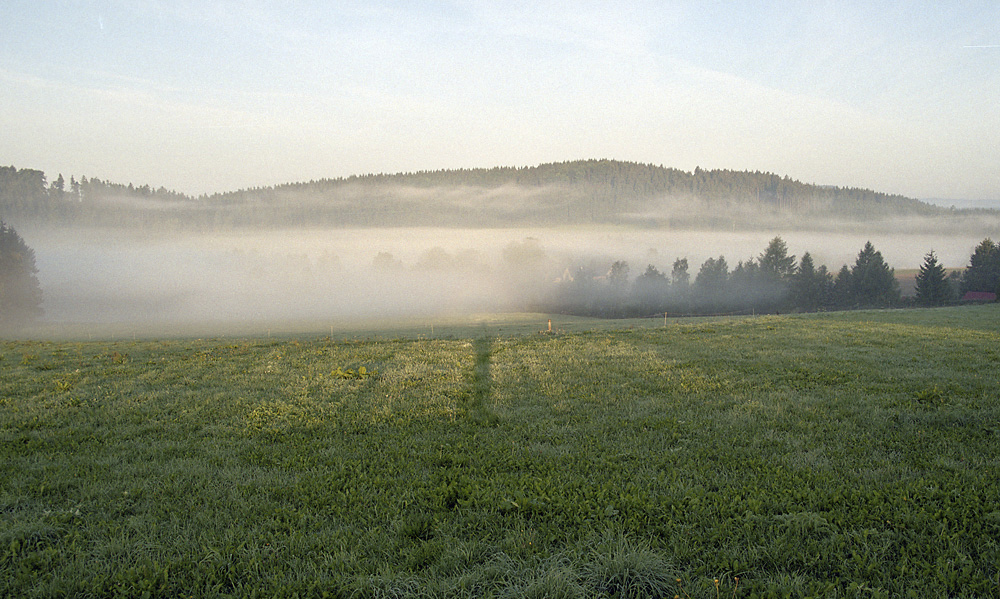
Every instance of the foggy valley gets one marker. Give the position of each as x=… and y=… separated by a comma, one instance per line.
x=383, y=247
x=340, y=275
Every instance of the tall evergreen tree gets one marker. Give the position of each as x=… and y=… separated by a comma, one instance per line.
x=775, y=262
x=933, y=287
x=873, y=283
x=58, y=187
x=20, y=293
x=983, y=272
x=842, y=288
x=811, y=287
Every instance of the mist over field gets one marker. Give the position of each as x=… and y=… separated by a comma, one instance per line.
x=337, y=275
x=455, y=242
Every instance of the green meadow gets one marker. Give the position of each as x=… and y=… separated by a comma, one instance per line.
x=852, y=454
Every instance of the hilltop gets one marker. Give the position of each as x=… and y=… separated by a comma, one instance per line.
x=554, y=194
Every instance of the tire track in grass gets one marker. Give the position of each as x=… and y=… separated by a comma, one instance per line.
x=482, y=383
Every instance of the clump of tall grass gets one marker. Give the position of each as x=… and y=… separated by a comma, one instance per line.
x=627, y=568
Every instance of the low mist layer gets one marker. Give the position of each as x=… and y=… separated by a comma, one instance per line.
x=111, y=276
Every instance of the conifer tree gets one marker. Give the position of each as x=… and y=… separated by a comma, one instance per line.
x=873, y=283
x=933, y=287
x=842, y=288
x=775, y=263
x=810, y=287
x=983, y=272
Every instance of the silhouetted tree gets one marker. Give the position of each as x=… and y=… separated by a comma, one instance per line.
x=649, y=291
x=811, y=287
x=679, y=276
x=58, y=187
x=775, y=263
x=712, y=276
x=873, y=283
x=618, y=286
x=710, y=284
x=20, y=294
x=841, y=293
x=983, y=272
x=748, y=285
x=933, y=287
x=618, y=275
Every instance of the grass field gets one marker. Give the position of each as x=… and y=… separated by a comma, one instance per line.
x=851, y=454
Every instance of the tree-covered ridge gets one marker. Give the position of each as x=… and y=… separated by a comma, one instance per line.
x=553, y=194
x=612, y=191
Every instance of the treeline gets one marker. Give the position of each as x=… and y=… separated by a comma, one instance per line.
x=567, y=193
x=27, y=196
x=769, y=283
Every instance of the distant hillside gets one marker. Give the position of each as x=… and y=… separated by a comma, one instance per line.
x=555, y=194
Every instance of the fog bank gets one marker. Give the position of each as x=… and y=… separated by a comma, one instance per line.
x=112, y=276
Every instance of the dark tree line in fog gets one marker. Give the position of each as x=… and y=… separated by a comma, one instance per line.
x=20, y=293
x=771, y=282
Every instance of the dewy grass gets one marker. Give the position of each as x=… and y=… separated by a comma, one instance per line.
x=831, y=454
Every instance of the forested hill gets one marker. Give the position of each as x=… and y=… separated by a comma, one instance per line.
x=566, y=193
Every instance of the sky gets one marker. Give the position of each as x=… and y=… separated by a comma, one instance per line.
x=205, y=96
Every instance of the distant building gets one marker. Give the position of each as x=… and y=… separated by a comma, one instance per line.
x=979, y=296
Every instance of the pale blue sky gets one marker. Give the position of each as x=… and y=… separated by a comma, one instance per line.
x=211, y=95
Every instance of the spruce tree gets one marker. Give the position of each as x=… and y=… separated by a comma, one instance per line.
x=775, y=263
x=842, y=288
x=983, y=272
x=811, y=287
x=873, y=283
x=933, y=287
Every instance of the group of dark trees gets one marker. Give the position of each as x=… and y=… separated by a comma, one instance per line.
x=770, y=282
x=983, y=273
x=579, y=192
x=20, y=293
